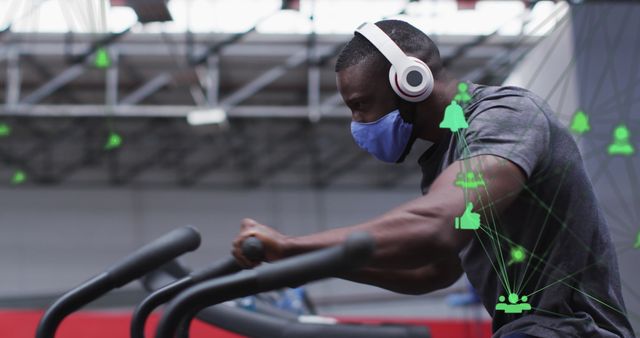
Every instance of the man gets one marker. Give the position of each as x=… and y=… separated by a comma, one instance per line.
x=506, y=197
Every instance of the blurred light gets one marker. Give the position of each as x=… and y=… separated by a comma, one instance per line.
x=113, y=141
x=5, y=130
x=19, y=177
x=443, y=17
x=285, y=22
x=121, y=18
x=207, y=116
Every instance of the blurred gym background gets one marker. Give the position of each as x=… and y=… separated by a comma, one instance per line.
x=123, y=119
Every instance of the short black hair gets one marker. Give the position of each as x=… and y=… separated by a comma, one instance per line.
x=410, y=39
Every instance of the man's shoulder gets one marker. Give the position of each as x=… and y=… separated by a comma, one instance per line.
x=508, y=108
x=509, y=98
x=486, y=91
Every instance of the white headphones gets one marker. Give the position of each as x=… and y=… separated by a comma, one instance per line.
x=415, y=82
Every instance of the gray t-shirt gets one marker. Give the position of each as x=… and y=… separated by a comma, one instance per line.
x=571, y=279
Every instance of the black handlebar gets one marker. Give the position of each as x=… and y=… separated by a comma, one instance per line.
x=252, y=248
x=136, y=265
x=154, y=254
x=294, y=271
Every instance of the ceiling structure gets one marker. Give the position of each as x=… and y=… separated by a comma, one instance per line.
x=286, y=123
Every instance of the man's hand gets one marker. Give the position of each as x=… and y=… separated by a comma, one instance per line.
x=272, y=240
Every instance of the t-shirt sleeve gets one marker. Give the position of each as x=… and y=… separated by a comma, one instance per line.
x=515, y=129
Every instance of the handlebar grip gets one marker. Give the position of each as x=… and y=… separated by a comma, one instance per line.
x=152, y=255
x=219, y=268
x=253, y=249
x=352, y=254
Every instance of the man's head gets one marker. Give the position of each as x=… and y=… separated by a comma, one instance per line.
x=362, y=79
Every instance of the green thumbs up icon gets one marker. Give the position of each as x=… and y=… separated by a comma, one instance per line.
x=469, y=220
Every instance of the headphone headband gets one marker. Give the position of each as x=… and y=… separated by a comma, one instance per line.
x=409, y=77
x=386, y=46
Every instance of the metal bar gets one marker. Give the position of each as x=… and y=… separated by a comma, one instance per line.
x=104, y=42
x=213, y=79
x=198, y=97
x=315, y=113
x=147, y=89
x=30, y=61
x=13, y=78
x=165, y=111
x=263, y=80
x=142, y=45
x=72, y=72
x=54, y=84
x=111, y=90
x=313, y=78
x=217, y=47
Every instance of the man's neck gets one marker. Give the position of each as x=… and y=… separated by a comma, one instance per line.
x=435, y=107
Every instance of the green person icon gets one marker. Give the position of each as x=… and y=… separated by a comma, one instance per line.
x=454, y=117
x=19, y=177
x=513, y=306
x=114, y=141
x=463, y=93
x=469, y=220
x=469, y=180
x=637, y=244
x=621, y=144
x=580, y=123
x=501, y=305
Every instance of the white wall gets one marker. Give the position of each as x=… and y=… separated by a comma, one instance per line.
x=53, y=238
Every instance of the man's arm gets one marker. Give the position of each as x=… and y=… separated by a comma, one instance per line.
x=425, y=279
x=416, y=234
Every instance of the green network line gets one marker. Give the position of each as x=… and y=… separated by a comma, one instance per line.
x=566, y=277
x=546, y=218
x=544, y=225
x=495, y=243
x=630, y=166
x=497, y=250
x=551, y=265
x=582, y=291
x=561, y=315
x=543, y=204
x=621, y=201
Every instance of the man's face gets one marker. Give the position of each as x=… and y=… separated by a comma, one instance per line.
x=366, y=92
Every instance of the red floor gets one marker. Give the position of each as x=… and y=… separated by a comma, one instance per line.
x=22, y=324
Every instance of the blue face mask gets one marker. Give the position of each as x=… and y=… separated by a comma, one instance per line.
x=385, y=138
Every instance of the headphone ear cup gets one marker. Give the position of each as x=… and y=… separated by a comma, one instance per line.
x=428, y=77
x=427, y=82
